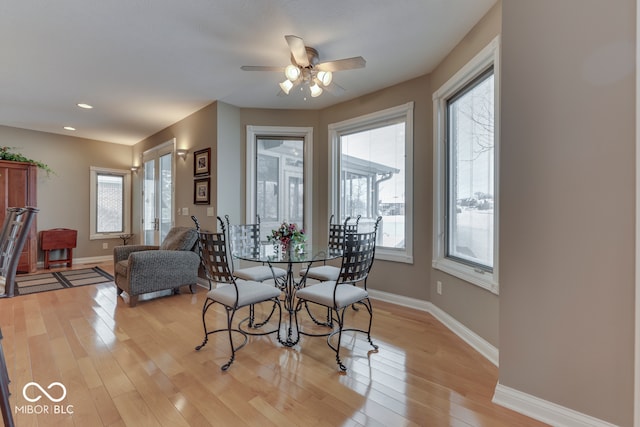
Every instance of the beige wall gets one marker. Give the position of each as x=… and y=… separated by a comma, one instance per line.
x=196, y=132
x=410, y=280
x=290, y=118
x=568, y=204
x=63, y=197
x=476, y=308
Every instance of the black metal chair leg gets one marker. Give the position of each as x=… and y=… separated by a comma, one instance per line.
x=233, y=350
x=207, y=303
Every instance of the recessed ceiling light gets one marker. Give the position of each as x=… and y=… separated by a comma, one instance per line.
x=86, y=106
x=69, y=128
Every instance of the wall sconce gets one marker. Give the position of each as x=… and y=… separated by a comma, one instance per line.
x=134, y=169
x=182, y=154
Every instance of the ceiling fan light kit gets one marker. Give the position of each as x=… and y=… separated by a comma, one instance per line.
x=286, y=86
x=315, y=90
x=292, y=72
x=305, y=69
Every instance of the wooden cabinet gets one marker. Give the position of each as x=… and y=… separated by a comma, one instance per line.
x=18, y=189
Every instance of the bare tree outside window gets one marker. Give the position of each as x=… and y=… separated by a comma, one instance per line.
x=471, y=157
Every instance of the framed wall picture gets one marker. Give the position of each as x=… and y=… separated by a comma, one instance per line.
x=201, y=193
x=202, y=162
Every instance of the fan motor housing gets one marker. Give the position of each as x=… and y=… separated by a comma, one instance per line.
x=312, y=54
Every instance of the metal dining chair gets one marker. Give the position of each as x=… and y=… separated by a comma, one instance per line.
x=247, y=237
x=349, y=288
x=337, y=233
x=230, y=292
x=15, y=229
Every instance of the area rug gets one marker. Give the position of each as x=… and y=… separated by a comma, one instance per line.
x=41, y=282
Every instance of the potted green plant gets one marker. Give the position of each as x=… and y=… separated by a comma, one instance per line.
x=6, y=154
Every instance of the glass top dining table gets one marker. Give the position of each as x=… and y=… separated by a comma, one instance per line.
x=304, y=253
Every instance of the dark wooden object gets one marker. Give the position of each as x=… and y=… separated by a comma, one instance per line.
x=58, y=239
x=18, y=189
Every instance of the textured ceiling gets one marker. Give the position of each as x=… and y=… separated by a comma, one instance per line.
x=146, y=64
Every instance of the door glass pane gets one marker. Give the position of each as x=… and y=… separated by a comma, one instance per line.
x=164, y=198
x=279, y=182
x=149, y=204
x=470, y=188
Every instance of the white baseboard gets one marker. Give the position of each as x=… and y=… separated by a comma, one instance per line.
x=482, y=346
x=489, y=351
x=515, y=400
x=543, y=410
x=86, y=260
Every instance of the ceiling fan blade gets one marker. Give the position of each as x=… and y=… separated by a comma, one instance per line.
x=298, y=50
x=342, y=64
x=335, y=89
x=260, y=68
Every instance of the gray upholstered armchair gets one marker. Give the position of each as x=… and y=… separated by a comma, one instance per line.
x=140, y=269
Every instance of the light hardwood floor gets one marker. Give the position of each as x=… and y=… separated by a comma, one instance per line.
x=125, y=366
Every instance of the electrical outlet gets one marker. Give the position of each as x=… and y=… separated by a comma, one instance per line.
x=105, y=246
x=439, y=287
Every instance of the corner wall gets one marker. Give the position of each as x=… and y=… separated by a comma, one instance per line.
x=476, y=308
x=568, y=204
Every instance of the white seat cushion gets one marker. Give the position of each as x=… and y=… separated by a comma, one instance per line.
x=324, y=273
x=249, y=292
x=322, y=293
x=259, y=273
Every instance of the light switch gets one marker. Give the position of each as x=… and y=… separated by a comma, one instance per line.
x=210, y=212
x=185, y=211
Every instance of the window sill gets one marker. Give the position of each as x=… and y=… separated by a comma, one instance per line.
x=394, y=256
x=467, y=273
x=106, y=236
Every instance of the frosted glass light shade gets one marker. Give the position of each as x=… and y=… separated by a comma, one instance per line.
x=292, y=72
x=315, y=90
x=325, y=77
x=286, y=86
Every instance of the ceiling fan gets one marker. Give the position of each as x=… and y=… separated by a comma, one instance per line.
x=305, y=69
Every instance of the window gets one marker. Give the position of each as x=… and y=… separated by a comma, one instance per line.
x=278, y=171
x=466, y=170
x=110, y=203
x=372, y=175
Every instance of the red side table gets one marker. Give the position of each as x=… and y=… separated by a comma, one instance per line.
x=58, y=239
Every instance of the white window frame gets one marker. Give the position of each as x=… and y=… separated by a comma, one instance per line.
x=280, y=131
x=487, y=57
x=93, y=181
x=369, y=121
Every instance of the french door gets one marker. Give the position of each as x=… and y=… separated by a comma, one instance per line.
x=157, y=193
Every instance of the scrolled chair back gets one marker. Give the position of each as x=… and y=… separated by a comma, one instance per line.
x=358, y=255
x=16, y=226
x=213, y=253
x=243, y=236
x=337, y=231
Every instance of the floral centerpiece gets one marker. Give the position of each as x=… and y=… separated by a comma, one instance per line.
x=288, y=235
